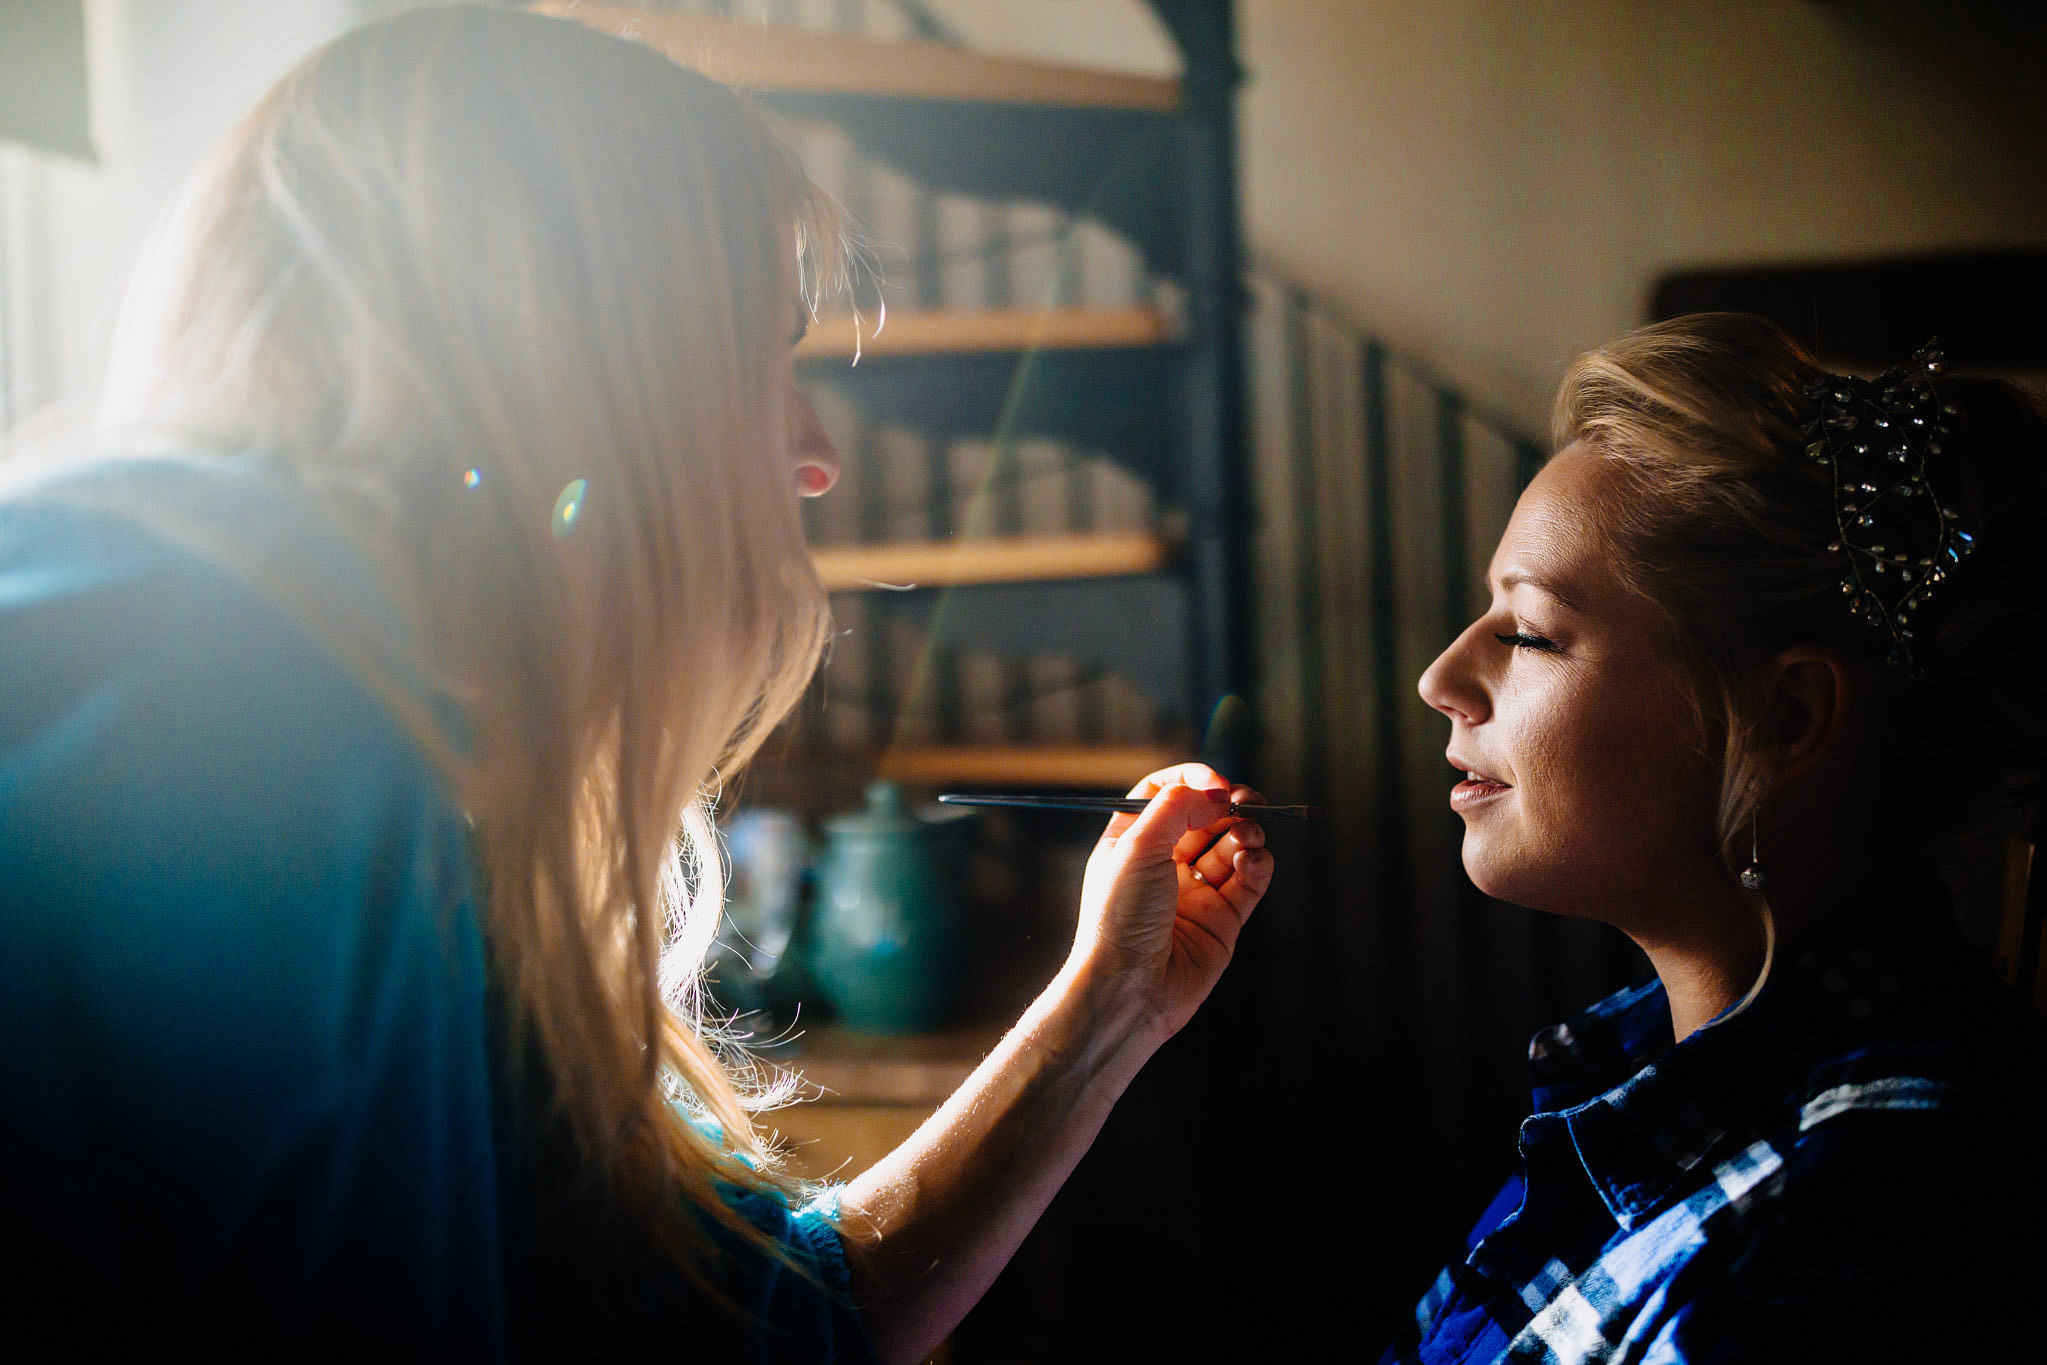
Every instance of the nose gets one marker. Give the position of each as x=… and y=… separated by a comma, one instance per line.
x=1451, y=684
x=811, y=451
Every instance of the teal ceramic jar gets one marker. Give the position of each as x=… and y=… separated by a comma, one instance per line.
x=885, y=931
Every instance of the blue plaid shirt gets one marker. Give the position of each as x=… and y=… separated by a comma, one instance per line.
x=1850, y=1169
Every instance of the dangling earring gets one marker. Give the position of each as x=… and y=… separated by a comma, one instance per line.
x=1752, y=878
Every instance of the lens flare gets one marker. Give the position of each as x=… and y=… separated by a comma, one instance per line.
x=569, y=506
x=1228, y=726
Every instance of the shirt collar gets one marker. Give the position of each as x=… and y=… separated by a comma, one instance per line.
x=1644, y=1113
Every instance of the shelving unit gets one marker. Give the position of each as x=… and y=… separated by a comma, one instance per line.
x=789, y=59
x=1000, y=330
x=1007, y=559
x=1025, y=765
x=1103, y=583
x=1038, y=553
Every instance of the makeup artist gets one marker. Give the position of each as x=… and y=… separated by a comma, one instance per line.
x=1763, y=641
x=439, y=555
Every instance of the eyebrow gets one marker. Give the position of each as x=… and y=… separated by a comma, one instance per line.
x=1516, y=578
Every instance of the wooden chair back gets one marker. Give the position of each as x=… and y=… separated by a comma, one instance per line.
x=2021, y=946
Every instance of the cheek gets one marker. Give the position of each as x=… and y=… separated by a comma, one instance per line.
x=1571, y=778
x=1624, y=733
x=1613, y=791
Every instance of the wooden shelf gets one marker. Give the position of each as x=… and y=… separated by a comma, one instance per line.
x=865, y=1093
x=820, y=781
x=981, y=331
x=1020, y=559
x=1111, y=766
x=782, y=58
x=848, y=1067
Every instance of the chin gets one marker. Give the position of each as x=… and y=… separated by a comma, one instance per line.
x=1485, y=874
x=1530, y=888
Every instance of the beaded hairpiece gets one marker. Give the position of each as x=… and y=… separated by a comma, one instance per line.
x=1897, y=540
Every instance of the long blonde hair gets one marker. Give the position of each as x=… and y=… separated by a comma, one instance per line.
x=505, y=297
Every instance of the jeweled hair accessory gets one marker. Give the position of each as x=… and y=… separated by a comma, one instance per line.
x=1897, y=540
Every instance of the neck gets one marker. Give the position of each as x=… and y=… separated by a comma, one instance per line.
x=1706, y=959
x=1700, y=986
x=1705, y=939
x=1711, y=960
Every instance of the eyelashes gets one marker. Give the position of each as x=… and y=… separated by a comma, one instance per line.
x=1523, y=640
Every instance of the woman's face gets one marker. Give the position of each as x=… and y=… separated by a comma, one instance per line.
x=1585, y=787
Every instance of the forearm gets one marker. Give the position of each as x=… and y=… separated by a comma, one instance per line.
x=932, y=1224
x=1166, y=893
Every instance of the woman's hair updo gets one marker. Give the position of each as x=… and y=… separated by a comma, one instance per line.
x=1721, y=520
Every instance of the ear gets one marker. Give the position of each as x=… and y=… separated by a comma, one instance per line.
x=1809, y=697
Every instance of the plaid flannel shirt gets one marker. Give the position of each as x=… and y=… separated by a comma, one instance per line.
x=1850, y=1169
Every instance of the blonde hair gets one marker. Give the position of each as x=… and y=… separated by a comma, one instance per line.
x=1719, y=519
x=505, y=297
x=1709, y=518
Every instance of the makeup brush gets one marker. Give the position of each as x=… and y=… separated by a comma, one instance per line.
x=1101, y=804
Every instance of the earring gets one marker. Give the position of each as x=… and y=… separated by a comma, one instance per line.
x=1752, y=878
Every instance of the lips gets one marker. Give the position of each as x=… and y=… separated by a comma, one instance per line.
x=1477, y=788
x=1473, y=773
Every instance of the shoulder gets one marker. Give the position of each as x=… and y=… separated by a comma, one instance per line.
x=235, y=912
x=1880, y=1219
x=1923, y=1135
x=1940, y=1072
x=168, y=720
x=1907, y=1043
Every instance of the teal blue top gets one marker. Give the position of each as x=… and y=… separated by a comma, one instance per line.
x=244, y=1028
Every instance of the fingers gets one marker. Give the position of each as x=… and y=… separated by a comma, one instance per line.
x=1190, y=808
x=1197, y=776
x=1194, y=841
x=1216, y=863
x=1250, y=877
x=1174, y=811
x=1224, y=885
x=1230, y=856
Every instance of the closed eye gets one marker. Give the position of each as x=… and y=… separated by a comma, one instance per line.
x=1523, y=640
